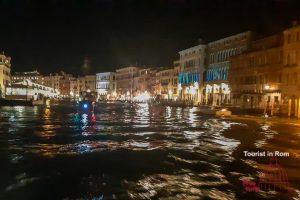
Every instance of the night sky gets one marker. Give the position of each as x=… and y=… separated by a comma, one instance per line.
x=50, y=35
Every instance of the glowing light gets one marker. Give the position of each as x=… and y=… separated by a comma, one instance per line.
x=179, y=86
x=193, y=90
x=267, y=87
x=72, y=93
x=85, y=105
x=170, y=92
x=88, y=90
x=142, y=97
x=196, y=85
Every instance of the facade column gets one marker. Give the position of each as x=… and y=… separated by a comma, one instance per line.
x=289, y=107
x=298, y=114
x=296, y=107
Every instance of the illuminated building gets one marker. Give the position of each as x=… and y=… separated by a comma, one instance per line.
x=4, y=73
x=34, y=76
x=65, y=85
x=52, y=80
x=27, y=89
x=144, y=81
x=164, y=83
x=291, y=71
x=255, y=76
x=190, y=78
x=86, y=84
x=125, y=81
x=106, y=85
x=217, y=90
x=60, y=81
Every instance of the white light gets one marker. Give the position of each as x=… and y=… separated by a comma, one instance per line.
x=142, y=97
x=179, y=86
x=267, y=87
x=88, y=90
x=193, y=90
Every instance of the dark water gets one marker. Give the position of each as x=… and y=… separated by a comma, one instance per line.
x=137, y=152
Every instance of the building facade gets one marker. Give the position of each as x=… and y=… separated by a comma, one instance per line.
x=190, y=77
x=216, y=89
x=5, y=70
x=291, y=71
x=65, y=85
x=125, y=81
x=164, y=83
x=255, y=77
x=34, y=76
x=52, y=80
x=29, y=90
x=106, y=85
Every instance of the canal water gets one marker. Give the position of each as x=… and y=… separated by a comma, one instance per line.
x=140, y=152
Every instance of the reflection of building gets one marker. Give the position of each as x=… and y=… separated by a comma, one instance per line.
x=255, y=76
x=291, y=71
x=191, y=73
x=125, y=81
x=217, y=90
x=4, y=73
x=106, y=85
x=34, y=76
x=27, y=89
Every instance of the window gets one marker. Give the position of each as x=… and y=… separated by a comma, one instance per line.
x=289, y=38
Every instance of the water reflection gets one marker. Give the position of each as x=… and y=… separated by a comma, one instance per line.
x=125, y=151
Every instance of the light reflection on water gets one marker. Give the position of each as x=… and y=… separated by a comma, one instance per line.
x=124, y=152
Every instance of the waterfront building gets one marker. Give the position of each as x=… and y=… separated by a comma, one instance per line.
x=175, y=82
x=65, y=85
x=164, y=83
x=34, y=76
x=52, y=80
x=291, y=71
x=86, y=84
x=125, y=81
x=5, y=77
x=74, y=91
x=143, y=81
x=190, y=78
x=29, y=90
x=255, y=76
x=106, y=85
x=59, y=81
x=216, y=89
